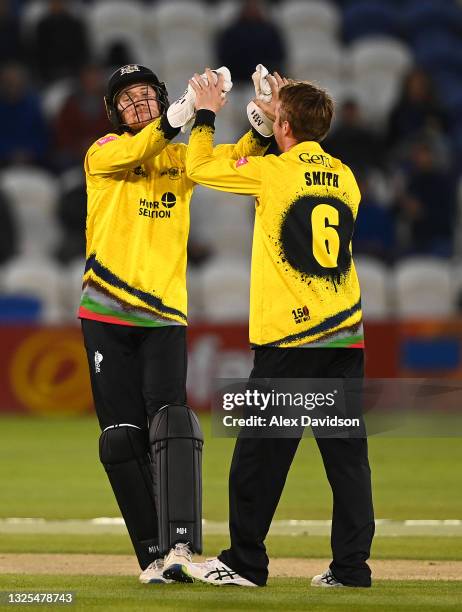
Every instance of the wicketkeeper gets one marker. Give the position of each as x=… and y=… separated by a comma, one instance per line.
x=134, y=314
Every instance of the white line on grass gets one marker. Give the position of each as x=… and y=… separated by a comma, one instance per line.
x=102, y=525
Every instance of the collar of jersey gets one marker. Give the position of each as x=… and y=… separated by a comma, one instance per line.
x=309, y=146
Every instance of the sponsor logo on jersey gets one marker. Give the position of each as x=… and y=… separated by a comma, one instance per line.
x=140, y=171
x=168, y=199
x=324, y=160
x=153, y=208
x=173, y=173
x=301, y=314
x=105, y=140
x=241, y=162
x=182, y=530
x=98, y=360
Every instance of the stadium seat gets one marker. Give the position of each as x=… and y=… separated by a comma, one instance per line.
x=225, y=284
x=448, y=83
x=181, y=23
x=382, y=54
x=424, y=287
x=149, y=49
x=186, y=15
x=374, y=279
x=235, y=111
x=378, y=65
x=19, y=309
x=195, y=294
x=232, y=122
x=452, y=102
x=320, y=62
x=72, y=289
x=456, y=142
x=30, y=15
x=33, y=11
x=179, y=66
x=111, y=21
x=71, y=179
x=182, y=30
x=229, y=129
x=438, y=51
x=38, y=278
x=223, y=221
x=458, y=214
x=420, y=16
x=309, y=19
x=224, y=13
x=365, y=18
x=54, y=97
x=175, y=84
x=33, y=194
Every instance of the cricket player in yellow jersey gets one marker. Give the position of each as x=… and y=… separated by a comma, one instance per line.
x=305, y=322
x=134, y=315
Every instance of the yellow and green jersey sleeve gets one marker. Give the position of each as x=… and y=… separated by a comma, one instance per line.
x=304, y=288
x=137, y=226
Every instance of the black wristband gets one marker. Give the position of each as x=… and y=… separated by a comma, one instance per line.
x=204, y=117
x=169, y=131
x=263, y=140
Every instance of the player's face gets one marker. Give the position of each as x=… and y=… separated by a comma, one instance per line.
x=137, y=105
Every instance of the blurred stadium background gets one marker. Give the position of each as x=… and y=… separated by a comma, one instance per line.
x=395, y=70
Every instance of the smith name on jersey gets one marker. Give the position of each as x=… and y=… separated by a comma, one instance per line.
x=304, y=289
x=138, y=224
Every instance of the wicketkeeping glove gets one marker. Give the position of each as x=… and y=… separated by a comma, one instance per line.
x=182, y=113
x=262, y=86
x=256, y=116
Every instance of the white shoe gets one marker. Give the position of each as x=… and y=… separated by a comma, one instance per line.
x=176, y=562
x=213, y=571
x=326, y=580
x=153, y=574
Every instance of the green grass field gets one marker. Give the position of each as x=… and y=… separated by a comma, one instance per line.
x=49, y=468
x=105, y=592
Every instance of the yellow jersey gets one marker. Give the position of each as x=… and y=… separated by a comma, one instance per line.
x=137, y=225
x=304, y=289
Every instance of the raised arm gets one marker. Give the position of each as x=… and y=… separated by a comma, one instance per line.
x=260, y=112
x=115, y=153
x=242, y=176
x=251, y=143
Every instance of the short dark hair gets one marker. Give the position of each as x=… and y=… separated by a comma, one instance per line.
x=308, y=110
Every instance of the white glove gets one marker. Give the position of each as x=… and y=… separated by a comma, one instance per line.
x=262, y=86
x=182, y=112
x=256, y=116
x=259, y=120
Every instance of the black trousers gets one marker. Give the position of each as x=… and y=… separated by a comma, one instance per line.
x=134, y=371
x=260, y=466
x=142, y=369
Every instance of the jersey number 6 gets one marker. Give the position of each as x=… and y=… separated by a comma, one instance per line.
x=325, y=238
x=315, y=236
